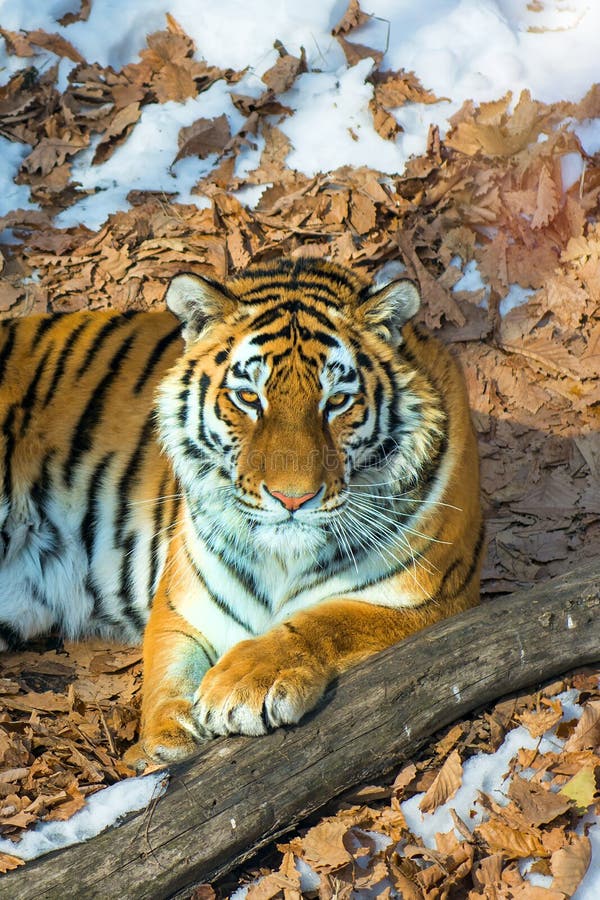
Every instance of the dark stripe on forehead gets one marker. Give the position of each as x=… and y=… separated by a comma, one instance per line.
x=319, y=289
x=284, y=333
x=320, y=336
x=291, y=307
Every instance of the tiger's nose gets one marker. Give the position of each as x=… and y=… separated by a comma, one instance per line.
x=292, y=503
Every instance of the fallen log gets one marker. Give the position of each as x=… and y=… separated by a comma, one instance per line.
x=238, y=794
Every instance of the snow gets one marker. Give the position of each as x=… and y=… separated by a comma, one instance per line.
x=103, y=809
x=460, y=49
x=515, y=296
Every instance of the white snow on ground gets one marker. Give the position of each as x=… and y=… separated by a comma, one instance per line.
x=460, y=49
x=105, y=808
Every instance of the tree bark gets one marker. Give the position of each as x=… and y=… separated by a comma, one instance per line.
x=238, y=794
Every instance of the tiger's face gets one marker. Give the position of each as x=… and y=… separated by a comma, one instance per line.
x=291, y=390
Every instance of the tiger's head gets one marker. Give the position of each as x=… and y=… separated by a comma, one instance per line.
x=293, y=386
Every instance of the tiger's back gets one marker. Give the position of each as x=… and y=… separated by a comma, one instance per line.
x=82, y=535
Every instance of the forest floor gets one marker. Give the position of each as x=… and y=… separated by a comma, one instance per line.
x=497, y=222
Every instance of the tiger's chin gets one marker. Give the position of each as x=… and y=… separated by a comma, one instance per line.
x=290, y=539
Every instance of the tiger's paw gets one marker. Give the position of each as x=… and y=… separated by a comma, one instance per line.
x=250, y=692
x=170, y=734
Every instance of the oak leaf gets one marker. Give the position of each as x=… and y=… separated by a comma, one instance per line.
x=538, y=805
x=323, y=846
x=8, y=862
x=547, y=201
x=394, y=89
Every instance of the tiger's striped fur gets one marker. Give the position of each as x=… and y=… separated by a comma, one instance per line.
x=316, y=500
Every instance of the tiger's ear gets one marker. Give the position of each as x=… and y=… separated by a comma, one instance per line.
x=387, y=309
x=197, y=301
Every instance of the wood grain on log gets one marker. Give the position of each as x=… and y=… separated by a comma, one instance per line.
x=238, y=794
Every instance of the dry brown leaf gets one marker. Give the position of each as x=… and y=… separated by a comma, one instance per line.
x=203, y=892
x=8, y=862
x=82, y=15
x=383, y=122
x=587, y=732
x=203, y=137
x=47, y=701
x=538, y=805
x=117, y=132
x=570, y=863
x=354, y=17
x=55, y=43
x=445, y=784
x=280, y=77
x=393, y=89
x=17, y=43
x=355, y=52
x=547, y=200
x=537, y=722
x=363, y=214
x=323, y=846
x=510, y=842
x=67, y=809
x=405, y=776
x=528, y=891
x=52, y=152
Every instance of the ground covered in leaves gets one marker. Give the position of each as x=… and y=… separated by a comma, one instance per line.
x=537, y=828
x=491, y=192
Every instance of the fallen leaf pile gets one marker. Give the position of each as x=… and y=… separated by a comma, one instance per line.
x=491, y=191
x=66, y=716
x=368, y=846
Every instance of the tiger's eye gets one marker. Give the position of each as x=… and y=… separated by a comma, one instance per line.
x=337, y=400
x=248, y=397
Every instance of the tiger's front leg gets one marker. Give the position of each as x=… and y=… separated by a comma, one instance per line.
x=276, y=678
x=176, y=656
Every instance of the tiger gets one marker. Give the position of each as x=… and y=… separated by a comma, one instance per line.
x=267, y=482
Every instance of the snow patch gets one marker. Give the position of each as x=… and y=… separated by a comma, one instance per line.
x=103, y=809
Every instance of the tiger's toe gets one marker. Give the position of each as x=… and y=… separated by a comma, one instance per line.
x=172, y=734
x=257, y=701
